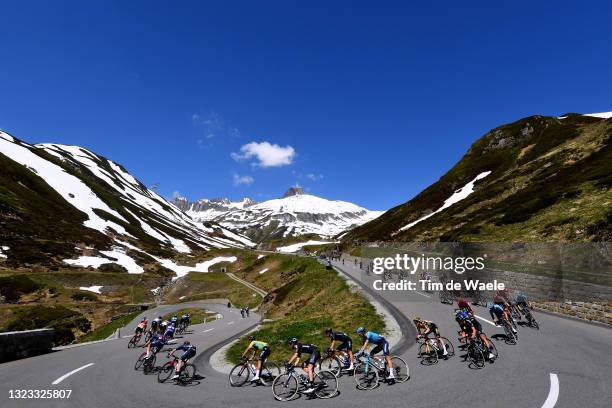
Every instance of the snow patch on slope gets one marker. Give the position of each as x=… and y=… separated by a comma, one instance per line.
x=182, y=270
x=457, y=196
x=68, y=186
x=94, y=289
x=603, y=115
x=296, y=247
x=116, y=255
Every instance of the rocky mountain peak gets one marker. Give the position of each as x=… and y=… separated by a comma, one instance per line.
x=294, y=191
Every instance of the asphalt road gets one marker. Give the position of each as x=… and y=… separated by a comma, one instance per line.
x=576, y=353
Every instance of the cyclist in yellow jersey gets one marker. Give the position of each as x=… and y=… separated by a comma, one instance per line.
x=425, y=328
x=258, y=346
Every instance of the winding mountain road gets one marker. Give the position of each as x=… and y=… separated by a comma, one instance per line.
x=566, y=365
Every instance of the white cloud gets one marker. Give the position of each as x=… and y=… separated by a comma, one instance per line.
x=176, y=194
x=239, y=180
x=266, y=153
x=314, y=177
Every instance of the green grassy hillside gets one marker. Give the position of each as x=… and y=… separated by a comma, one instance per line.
x=550, y=181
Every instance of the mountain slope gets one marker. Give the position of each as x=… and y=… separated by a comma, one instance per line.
x=209, y=209
x=59, y=202
x=296, y=214
x=539, y=178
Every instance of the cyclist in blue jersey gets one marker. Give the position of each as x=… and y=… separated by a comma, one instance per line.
x=381, y=345
x=169, y=333
x=189, y=350
x=155, y=344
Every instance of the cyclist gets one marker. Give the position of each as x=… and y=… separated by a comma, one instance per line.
x=189, y=350
x=425, y=328
x=309, y=365
x=522, y=303
x=155, y=323
x=470, y=327
x=463, y=304
x=264, y=350
x=381, y=345
x=501, y=299
x=346, y=343
x=163, y=326
x=184, y=321
x=169, y=333
x=174, y=320
x=498, y=313
x=141, y=327
x=156, y=344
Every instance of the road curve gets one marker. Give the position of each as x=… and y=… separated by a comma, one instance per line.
x=577, y=353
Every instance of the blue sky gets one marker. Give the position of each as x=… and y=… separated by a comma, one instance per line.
x=355, y=102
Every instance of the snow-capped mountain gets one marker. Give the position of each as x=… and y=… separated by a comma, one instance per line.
x=58, y=202
x=209, y=209
x=297, y=213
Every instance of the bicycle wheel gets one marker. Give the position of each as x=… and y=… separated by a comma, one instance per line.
x=450, y=349
x=149, y=364
x=148, y=336
x=285, y=387
x=187, y=374
x=534, y=323
x=428, y=354
x=510, y=338
x=326, y=384
x=366, y=377
x=400, y=369
x=140, y=361
x=269, y=372
x=476, y=357
x=165, y=372
x=133, y=342
x=239, y=375
x=330, y=363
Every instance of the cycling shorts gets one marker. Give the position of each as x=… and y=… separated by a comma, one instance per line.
x=265, y=352
x=477, y=325
x=314, y=357
x=157, y=345
x=383, y=346
x=188, y=354
x=347, y=345
x=139, y=330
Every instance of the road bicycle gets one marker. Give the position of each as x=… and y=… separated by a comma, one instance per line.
x=148, y=336
x=430, y=350
x=531, y=321
x=181, y=329
x=135, y=340
x=511, y=336
x=368, y=370
x=146, y=363
x=186, y=375
x=335, y=361
x=242, y=371
x=289, y=384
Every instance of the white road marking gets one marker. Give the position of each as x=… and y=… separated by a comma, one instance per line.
x=553, y=394
x=422, y=294
x=207, y=330
x=63, y=377
x=232, y=322
x=485, y=320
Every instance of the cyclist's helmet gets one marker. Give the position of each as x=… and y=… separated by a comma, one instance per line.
x=159, y=317
x=416, y=319
x=361, y=330
x=251, y=338
x=328, y=330
x=186, y=342
x=293, y=340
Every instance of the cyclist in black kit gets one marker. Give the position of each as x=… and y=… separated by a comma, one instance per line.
x=309, y=365
x=346, y=343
